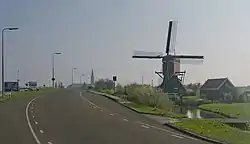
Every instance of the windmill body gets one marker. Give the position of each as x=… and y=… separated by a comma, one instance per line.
x=172, y=80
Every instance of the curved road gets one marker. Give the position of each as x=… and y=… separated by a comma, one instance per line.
x=76, y=117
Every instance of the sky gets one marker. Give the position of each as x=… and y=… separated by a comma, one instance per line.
x=102, y=35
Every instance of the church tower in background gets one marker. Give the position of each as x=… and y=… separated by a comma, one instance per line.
x=92, y=79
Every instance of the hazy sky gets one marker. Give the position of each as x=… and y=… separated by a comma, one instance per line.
x=102, y=34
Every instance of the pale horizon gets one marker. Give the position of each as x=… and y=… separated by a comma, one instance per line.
x=103, y=35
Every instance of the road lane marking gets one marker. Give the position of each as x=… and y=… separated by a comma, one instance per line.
x=36, y=122
x=161, y=129
x=28, y=121
x=177, y=136
x=33, y=116
x=125, y=119
x=89, y=101
x=145, y=126
x=49, y=142
x=41, y=131
x=101, y=109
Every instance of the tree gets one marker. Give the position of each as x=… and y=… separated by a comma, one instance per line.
x=104, y=84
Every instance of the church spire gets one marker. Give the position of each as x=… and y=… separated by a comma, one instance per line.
x=92, y=77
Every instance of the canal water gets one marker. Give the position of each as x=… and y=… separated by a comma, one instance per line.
x=194, y=112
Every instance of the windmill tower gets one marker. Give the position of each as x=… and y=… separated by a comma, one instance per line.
x=172, y=76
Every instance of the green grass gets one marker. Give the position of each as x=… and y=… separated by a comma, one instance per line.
x=215, y=130
x=28, y=93
x=240, y=110
x=154, y=111
x=107, y=91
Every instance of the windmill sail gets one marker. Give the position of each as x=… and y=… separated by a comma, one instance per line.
x=171, y=37
x=144, y=54
x=190, y=61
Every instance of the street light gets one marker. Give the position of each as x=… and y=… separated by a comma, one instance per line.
x=4, y=29
x=81, y=78
x=53, y=67
x=73, y=75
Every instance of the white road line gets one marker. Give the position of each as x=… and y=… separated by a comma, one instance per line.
x=161, y=129
x=125, y=119
x=145, y=126
x=36, y=122
x=49, y=142
x=94, y=105
x=88, y=101
x=177, y=136
x=41, y=131
x=29, y=124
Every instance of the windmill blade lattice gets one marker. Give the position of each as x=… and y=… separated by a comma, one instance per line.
x=190, y=61
x=144, y=54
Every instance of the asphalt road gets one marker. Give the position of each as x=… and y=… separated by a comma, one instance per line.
x=75, y=117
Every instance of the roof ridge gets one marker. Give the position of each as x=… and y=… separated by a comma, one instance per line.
x=217, y=78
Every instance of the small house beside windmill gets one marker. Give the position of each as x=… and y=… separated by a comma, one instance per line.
x=220, y=89
x=172, y=77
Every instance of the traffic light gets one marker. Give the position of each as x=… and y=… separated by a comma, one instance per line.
x=114, y=78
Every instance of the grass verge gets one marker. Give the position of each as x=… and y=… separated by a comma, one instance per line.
x=239, y=110
x=154, y=111
x=28, y=93
x=215, y=130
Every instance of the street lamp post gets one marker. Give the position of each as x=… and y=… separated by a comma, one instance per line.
x=17, y=79
x=4, y=29
x=73, y=75
x=17, y=76
x=53, y=68
x=81, y=78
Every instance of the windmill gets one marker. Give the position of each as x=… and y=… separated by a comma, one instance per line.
x=172, y=79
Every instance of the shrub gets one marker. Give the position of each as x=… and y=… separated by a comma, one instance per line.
x=147, y=95
x=104, y=84
x=107, y=91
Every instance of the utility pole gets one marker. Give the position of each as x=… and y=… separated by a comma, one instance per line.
x=53, y=68
x=142, y=80
x=73, y=75
x=4, y=29
x=17, y=76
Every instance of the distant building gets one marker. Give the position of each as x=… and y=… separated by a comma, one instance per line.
x=218, y=89
x=243, y=93
x=32, y=84
x=92, y=79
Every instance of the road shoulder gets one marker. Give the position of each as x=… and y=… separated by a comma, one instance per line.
x=165, y=122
